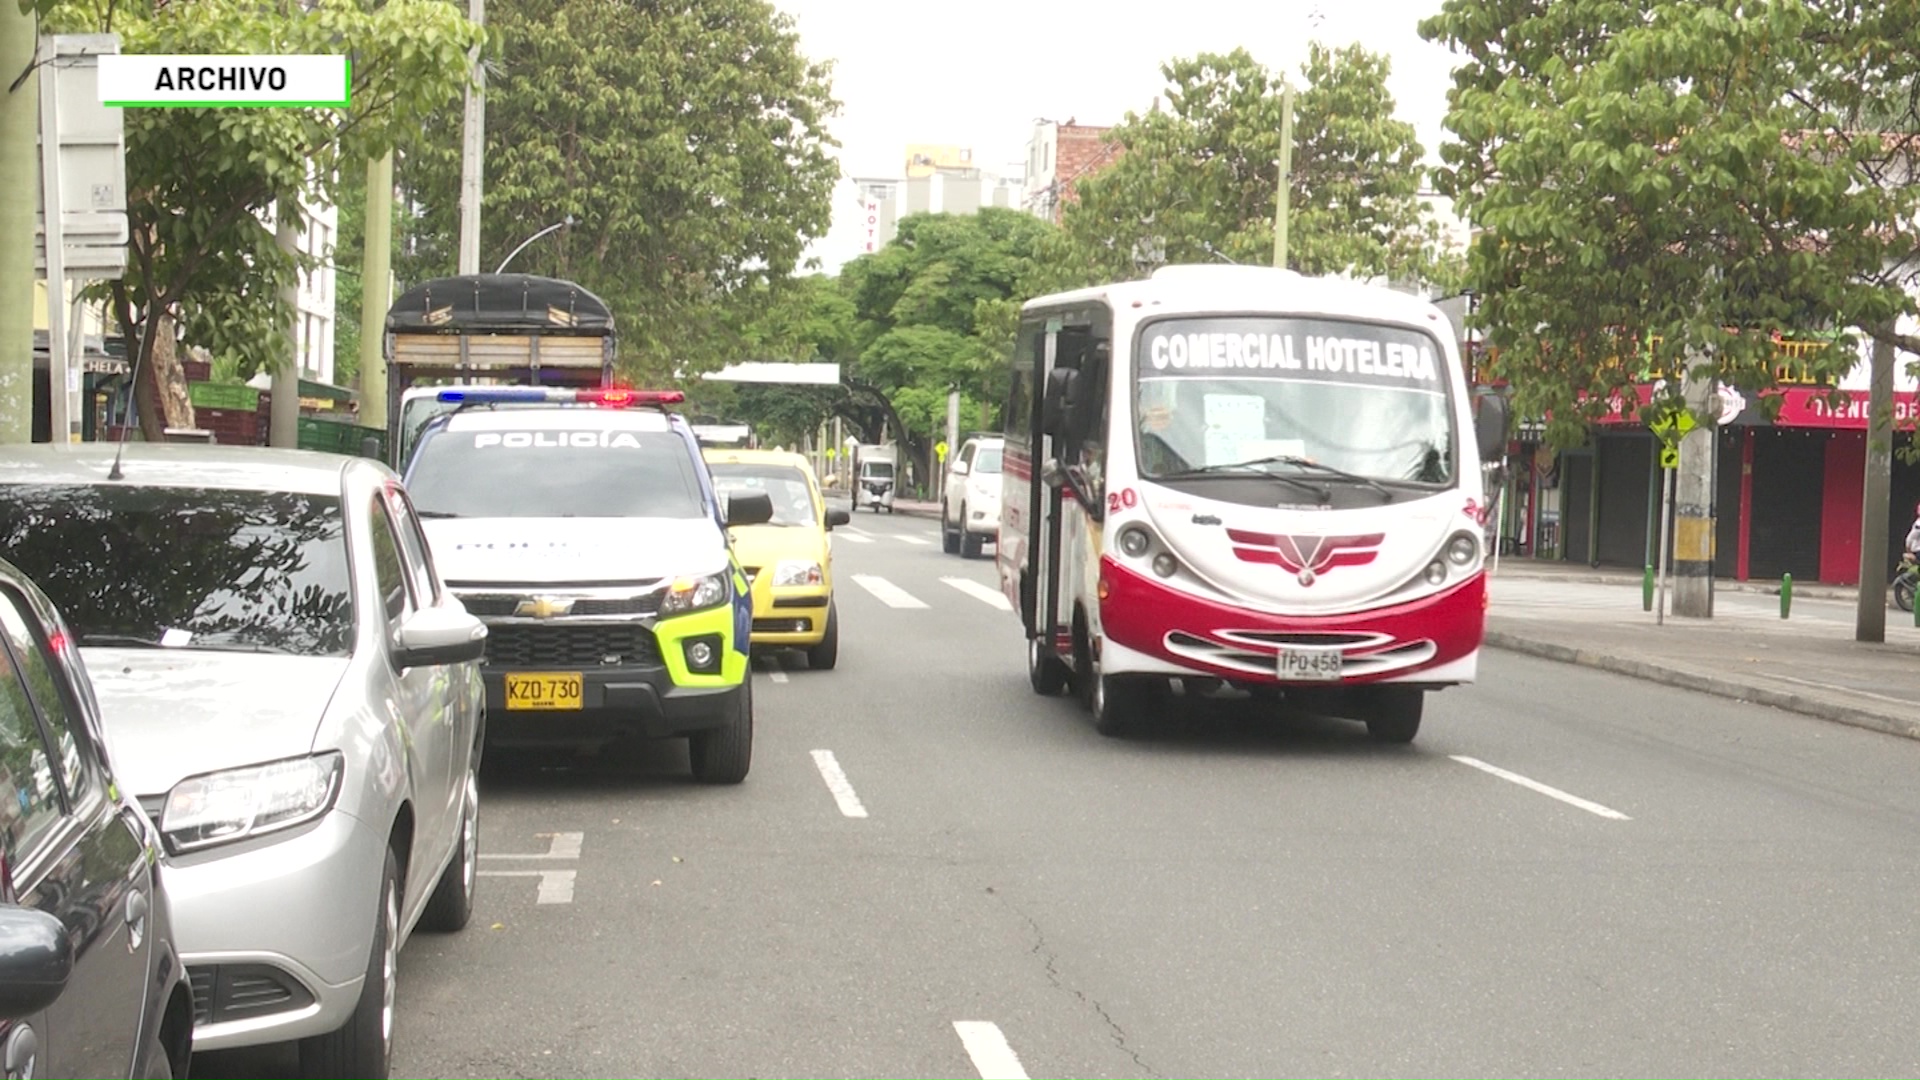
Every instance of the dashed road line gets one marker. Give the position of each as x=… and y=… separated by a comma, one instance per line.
x=988, y=1048
x=838, y=784
x=556, y=886
x=911, y=540
x=887, y=592
x=1589, y=806
x=777, y=675
x=852, y=538
x=560, y=845
x=985, y=594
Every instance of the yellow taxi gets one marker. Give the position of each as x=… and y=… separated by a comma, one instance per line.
x=788, y=560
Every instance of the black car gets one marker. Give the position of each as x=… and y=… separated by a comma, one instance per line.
x=90, y=984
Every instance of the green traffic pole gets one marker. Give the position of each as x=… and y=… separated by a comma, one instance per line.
x=1646, y=589
x=1786, y=594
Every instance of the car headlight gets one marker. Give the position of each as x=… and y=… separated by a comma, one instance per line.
x=222, y=807
x=694, y=594
x=797, y=572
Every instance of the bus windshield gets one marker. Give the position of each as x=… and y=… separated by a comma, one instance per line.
x=1217, y=393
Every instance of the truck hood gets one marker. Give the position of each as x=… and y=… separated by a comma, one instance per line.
x=174, y=713
x=497, y=551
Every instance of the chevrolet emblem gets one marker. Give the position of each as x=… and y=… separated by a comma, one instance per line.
x=544, y=607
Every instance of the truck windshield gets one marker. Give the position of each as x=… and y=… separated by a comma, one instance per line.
x=1242, y=394
x=877, y=470
x=572, y=472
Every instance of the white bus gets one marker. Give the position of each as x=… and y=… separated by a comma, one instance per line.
x=1246, y=478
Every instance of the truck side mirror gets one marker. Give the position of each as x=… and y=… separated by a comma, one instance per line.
x=1490, y=417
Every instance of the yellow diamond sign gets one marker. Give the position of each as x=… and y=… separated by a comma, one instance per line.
x=1671, y=429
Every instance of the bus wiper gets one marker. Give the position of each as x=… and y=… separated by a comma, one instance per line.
x=1300, y=462
x=1224, y=468
x=424, y=514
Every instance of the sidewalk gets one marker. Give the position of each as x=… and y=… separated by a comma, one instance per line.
x=1808, y=663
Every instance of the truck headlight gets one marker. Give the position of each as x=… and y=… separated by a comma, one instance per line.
x=222, y=807
x=694, y=594
x=797, y=572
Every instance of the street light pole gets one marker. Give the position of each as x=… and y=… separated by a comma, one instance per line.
x=1285, y=196
x=555, y=227
x=473, y=152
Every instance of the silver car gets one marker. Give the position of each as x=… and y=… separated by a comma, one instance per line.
x=296, y=701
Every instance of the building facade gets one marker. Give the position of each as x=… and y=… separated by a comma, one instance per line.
x=935, y=180
x=1058, y=157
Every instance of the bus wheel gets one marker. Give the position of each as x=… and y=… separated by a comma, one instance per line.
x=1044, y=670
x=1119, y=704
x=1392, y=713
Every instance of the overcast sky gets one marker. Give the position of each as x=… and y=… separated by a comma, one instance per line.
x=979, y=74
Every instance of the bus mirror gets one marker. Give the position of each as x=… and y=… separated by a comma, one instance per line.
x=1490, y=418
x=1056, y=407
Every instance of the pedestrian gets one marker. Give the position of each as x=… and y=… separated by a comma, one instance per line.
x=1913, y=535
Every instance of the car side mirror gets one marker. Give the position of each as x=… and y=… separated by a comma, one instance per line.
x=36, y=959
x=959, y=468
x=749, y=508
x=439, y=635
x=1490, y=417
x=838, y=517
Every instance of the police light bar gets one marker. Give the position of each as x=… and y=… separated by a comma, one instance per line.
x=611, y=397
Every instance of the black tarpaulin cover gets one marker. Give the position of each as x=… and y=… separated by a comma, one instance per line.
x=499, y=302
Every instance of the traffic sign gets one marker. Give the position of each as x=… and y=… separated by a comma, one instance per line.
x=1669, y=457
x=1674, y=428
x=940, y=448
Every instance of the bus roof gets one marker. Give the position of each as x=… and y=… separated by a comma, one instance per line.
x=1215, y=287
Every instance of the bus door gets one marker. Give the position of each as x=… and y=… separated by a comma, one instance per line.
x=1071, y=465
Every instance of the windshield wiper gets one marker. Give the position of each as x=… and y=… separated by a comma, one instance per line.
x=197, y=644
x=1225, y=468
x=434, y=513
x=1300, y=462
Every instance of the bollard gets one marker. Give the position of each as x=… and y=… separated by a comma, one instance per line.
x=1786, y=593
x=1646, y=589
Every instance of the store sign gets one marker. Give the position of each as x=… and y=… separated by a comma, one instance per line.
x=870, y=220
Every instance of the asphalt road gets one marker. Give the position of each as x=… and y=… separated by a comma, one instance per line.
x=1618, y=879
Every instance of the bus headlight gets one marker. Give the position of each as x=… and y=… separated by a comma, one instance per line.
x=1134, y=541
x=1436, y=572
x=1165, y=564
x=1461, y=549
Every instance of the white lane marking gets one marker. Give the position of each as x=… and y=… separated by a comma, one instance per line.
x=1551, y=792
x=837, y=783
x=853, y=538
x=985, y=594
x=887, y=592
x=562, y=845
x=911, y=540
x=857, y=530
x=777, y=676
x=991, y=1055
x=556, y=886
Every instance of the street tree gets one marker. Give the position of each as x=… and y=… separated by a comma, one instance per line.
x=1198, y=181
x=1661, y=184
x=935, y=311
x=687, y=140
x=206, y=188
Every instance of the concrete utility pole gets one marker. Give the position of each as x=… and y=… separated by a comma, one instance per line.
x=375, y=269
x=283, y=418
x=19, y=190
x=1693, y=506
x=1282, y=209
x=1870, y=612
x=473, y=153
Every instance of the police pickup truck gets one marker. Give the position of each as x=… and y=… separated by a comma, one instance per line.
x=583, y=527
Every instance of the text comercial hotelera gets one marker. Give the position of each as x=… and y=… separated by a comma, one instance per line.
x=223, y=78
x=1361, y=356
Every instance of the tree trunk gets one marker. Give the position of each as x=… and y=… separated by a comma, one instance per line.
x=161, y=393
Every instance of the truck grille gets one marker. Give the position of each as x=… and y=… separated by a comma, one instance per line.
x=524, y=645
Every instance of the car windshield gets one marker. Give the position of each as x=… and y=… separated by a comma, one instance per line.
x=1370, y=400
x=248, y=571
x=414, y=415
x=579, y=471
x=987, y=460
x=785, y=485
x=877, y=470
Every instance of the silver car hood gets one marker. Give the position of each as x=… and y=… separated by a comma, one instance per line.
x=174, y=713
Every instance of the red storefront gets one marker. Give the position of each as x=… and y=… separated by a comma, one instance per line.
x=1787, y=492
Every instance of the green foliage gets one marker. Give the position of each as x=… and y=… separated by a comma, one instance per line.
x=685, y=137
x=203, y=185
x=1670, y=180
x=1198, y=182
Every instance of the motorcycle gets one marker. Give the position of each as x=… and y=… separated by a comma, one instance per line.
x=1905, y=578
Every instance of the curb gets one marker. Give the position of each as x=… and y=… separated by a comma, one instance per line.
x=1682, y=679
x=1811, y=592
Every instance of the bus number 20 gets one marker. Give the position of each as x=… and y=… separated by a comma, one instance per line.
x=1122, y=499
